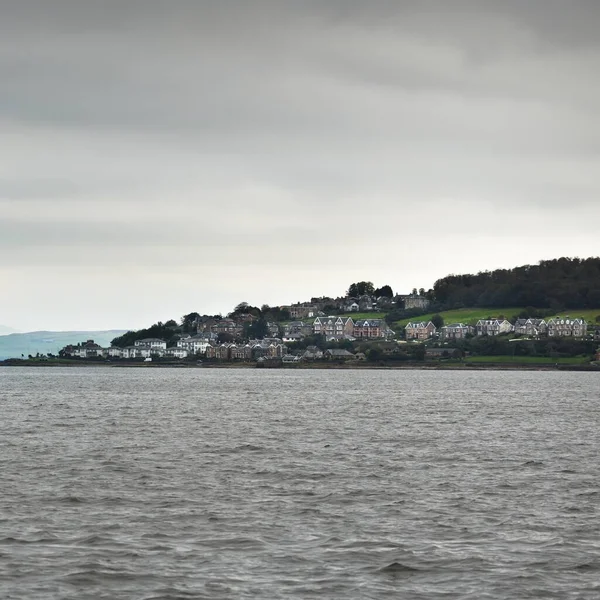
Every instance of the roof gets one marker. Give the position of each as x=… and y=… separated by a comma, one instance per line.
x=337, y=352
x=419, y=325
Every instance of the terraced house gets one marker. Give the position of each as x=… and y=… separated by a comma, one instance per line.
x=333, y=327
x=421, y=330
x=531, y=327
x=567, y=327
x=493, y=326
x=371, y=329
x=455, y=331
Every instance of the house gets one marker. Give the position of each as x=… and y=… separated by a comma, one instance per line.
x=365, y=302
x=290, y=358
x=333, y=327
x=114, y=352
x=88, y=349
x=442, y=353
x=220, y=352
x=530, y=327
x=227, y=326
x=301, y=310
x=335, y=354
x=196, y=344
x=493, y=326
x=272, y=329
x=177, y=352
x=312, y=353
x=371, y=329
x=352, y=307
x=567, y=326
x=421, y=330
x=455, y=331
x=242, y=353
x=153, y=343
x=414, y=301
x=298, y=328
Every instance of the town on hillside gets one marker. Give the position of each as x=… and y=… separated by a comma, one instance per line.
x=362, y=325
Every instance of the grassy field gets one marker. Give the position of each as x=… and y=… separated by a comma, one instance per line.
x=589, y=314
x=470, y=316
x=527, y=360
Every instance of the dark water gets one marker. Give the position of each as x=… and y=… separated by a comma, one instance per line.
x=151, y=483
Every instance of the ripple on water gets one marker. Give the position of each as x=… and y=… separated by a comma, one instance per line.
x=171, y=484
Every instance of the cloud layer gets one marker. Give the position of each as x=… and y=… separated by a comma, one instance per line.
x=159, y=158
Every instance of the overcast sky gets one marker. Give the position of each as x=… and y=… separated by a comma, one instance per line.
x=163, y=157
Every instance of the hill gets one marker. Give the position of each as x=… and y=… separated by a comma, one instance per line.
x=4, y=330
x=16, y=344
x=470, y=316
x=560, y=284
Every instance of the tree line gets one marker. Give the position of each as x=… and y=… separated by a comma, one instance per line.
x=558, y=284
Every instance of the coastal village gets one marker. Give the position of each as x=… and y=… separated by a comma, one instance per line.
x=346, y=336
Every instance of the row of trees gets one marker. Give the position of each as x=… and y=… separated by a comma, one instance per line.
x=556, y=284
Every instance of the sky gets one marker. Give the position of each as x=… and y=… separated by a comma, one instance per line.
x=164, y=157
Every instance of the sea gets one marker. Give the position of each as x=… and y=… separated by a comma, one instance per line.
x=163, y=483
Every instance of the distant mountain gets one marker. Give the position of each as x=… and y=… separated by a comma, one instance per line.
x=4, y=330
x=16, y=344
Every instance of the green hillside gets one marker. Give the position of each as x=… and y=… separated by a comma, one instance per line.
x=470, y=316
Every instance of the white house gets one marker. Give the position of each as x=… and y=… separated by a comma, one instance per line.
x=152, y=343
x=493, y=326
x=177, y=352
x=567, y=326
x=195, y=344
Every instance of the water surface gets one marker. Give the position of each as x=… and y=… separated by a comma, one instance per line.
x=208, y=483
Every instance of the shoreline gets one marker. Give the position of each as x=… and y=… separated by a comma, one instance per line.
x=312, y=366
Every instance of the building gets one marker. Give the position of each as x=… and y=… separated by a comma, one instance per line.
x=88, y=349
x=530, y=327
x=567, y=327
x=297, y=329
x=421, y=330
x=334, y=327
x=153, y=343
x=371, y=329
x=176, y=352
x=312, y=353
x=455, y=331
x=414, y=301
x=442, y=353
x=493, y=326
x=301, y=310
x=220, y=352
x=196, y=344
x=242, y=353
x=335, y=354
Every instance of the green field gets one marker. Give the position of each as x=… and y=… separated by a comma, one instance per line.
x=528, y=360
x=470, y=316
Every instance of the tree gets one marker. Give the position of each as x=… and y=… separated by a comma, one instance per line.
x=189, y=321
x=257, y=329
x=385, y=291
x=360, y=289
x=438, y=321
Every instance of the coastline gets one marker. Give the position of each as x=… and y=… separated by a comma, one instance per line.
x=594, y=368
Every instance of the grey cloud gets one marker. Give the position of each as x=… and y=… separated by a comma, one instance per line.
x=295, y=135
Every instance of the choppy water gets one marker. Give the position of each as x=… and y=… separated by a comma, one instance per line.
x=159, y=483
